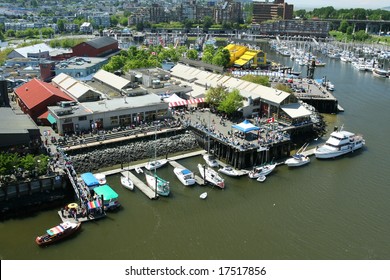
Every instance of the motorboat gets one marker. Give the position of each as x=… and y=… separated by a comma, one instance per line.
x=203, y=195
x=211, y=176
x=101, y=178
x=382, y=73
x=151, y=165
x=210, y=160
x=57, y=233
x=261, y=178
x=299, y=158
x=185, y=176
x=154, y=182
x=228, y=170
x=261, y=170
x=127, y=183
x=339, y=143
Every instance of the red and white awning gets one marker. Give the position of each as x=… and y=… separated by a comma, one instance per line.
x=186, y=102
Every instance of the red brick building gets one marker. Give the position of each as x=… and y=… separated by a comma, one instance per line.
x=34, y=96
x=100, y=47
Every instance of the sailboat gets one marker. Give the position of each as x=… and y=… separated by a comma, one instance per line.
x=157, y=184
x=210, y=159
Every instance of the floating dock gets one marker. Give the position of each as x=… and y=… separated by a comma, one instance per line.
x=140, y=185
x=66, y=216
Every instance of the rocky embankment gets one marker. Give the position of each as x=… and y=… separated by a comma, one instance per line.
x=88, y=161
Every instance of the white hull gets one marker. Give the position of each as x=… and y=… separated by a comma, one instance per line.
x=210, y=160
x=261, y=178
x=127, y=183
x=101, y=178
x=155, y=164
x=203, y=195
x=211, y=176
x=333, y=154
x=185, y=176
x=339, y=143
x=227, y=170
x=264, y=170
x=162, y=185
x=297, y=161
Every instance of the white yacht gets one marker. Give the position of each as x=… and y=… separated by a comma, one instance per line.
x=339, y=143
x=297, y=160
x=211, y=176
x=185, y=176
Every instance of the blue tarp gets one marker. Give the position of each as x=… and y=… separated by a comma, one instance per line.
x=245, y=126
x=89, y=179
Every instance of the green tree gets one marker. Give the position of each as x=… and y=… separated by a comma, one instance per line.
x=10, y=33
x=349, y=30
x=207, y=22
x=207, y=57
x=343, y=26
x=61, y=25
x=231, y=103
x=214, y=96
x=192, y=54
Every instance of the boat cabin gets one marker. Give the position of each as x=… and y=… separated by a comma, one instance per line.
x=109, y=197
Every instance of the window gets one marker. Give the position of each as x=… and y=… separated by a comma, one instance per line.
x=114, y=120
x=83, y=118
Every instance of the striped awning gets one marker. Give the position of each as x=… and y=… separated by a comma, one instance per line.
x=187, y=102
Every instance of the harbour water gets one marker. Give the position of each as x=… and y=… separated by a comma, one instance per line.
x=330, y=209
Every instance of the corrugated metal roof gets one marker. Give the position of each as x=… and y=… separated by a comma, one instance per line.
x=110, y=79
x=101, y=42
x=24, y=51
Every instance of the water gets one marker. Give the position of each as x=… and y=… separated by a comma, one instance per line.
x=329, y=209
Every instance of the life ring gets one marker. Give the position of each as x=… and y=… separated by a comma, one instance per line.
x=73, y=205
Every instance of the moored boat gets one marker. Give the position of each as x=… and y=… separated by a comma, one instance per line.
x=185, y=176
x=211, y=176
x=203, y=195
x=382, y=73
x=210, y=160
x=157, y=184
x=151, y=165
x=127, y=183
x=262, y=170
x=228, y=170
x=339, y=143
x=58, y=233
x=299, y=158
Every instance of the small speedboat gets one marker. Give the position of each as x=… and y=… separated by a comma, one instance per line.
x=127, y=183
x=261, y=178
x=297, y=160
x=203, y=195
x=228, y=170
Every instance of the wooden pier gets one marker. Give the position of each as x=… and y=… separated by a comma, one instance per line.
x=141, y=185
x=198, y=179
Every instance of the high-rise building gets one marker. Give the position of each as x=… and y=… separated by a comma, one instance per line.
x=271, y=10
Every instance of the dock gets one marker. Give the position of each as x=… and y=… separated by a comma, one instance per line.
x=141, y=185
x=309, y=152
x=66, y=216
x=198, y=179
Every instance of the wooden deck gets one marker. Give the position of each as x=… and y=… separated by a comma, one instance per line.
x=91, y=217
x=141, y=185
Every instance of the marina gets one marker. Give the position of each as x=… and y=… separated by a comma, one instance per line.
x=328, y=209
